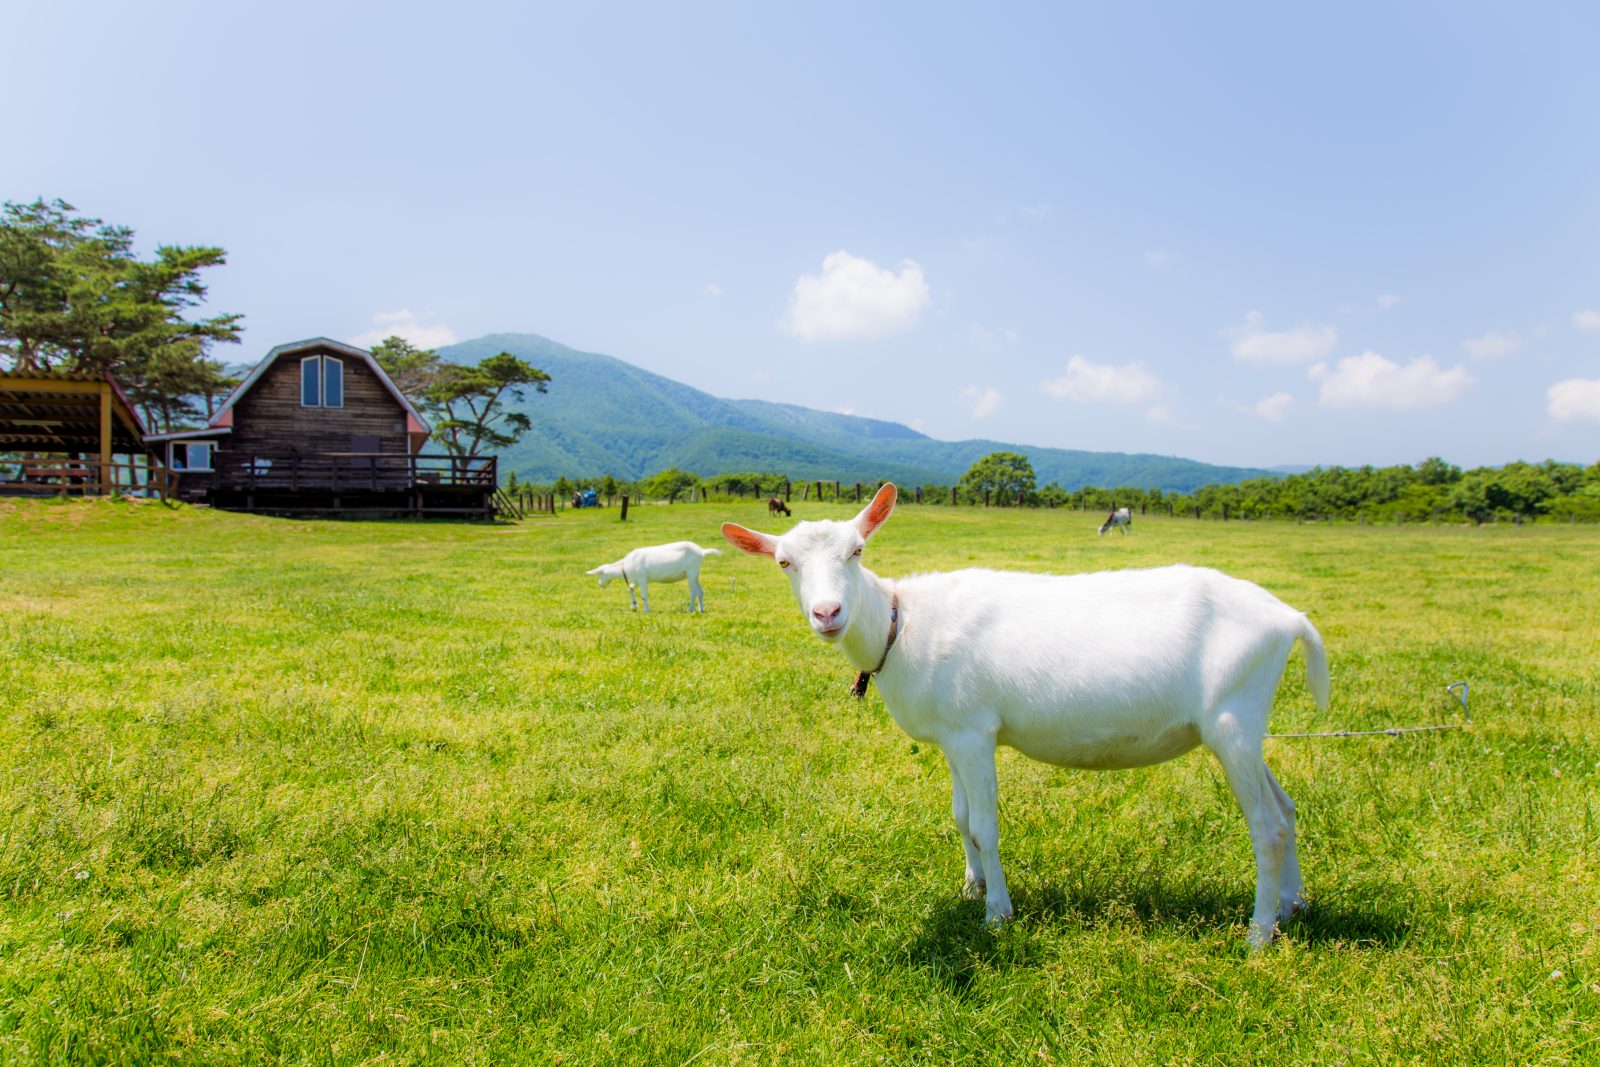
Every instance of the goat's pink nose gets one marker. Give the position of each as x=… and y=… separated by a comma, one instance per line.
x=827, y=613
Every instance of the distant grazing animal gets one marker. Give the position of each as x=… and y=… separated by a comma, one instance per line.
x=774, y=505
x=1120, y=519
x=659, y=563
x=1098, y=671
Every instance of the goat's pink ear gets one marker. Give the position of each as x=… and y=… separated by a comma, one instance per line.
x=749, y=540
x=873, y=515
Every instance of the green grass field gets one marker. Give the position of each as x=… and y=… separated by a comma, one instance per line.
x=279, y=791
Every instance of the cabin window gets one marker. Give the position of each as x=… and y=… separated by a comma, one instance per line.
x=321, y=382
x=311, y=382
x=332, y=382
x=191, y=456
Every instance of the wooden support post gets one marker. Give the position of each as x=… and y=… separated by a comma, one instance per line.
x=858, y=492
x=986, y=498
x=805, y=491
x=952, y=496
x=105, y=438
x=624, y=507
x=788, y=491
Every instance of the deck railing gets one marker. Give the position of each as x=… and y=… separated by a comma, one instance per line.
x=60, y=476
x=340, y=472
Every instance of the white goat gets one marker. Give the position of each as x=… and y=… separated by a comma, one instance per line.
x=1099, y=671
x=1118, y=519
x=659, y=563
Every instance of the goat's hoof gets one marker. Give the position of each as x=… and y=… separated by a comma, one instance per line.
x=997, y=919
x=974, y=889
x=1259, y=938
x=1292, y=907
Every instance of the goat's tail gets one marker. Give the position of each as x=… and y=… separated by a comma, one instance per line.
x=709, y=551
x=1316, y=662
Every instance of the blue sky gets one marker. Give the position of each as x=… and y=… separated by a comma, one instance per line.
x=1251, y=234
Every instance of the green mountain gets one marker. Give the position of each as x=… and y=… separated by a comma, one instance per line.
x=604, y=416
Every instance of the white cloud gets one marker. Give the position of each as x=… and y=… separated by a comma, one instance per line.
x=1492, y=346
x=1088, y=382
x=1387, y=301
x=712, y=289
x=1274, y=408
x=1034, y=212
x=405, y=323
x=856, y=298
x=1372, y=381
x=1161, y=258
x=1587, y=321
x=1254, y=343
x=986, y=401
x=1575, y=400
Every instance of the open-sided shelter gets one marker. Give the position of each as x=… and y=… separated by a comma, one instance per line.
x=68, y=433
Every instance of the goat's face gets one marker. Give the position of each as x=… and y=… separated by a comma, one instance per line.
x=822, y=561
x=606, y=572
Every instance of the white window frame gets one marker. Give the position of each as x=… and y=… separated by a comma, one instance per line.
x=316, y=379
x=328, y=361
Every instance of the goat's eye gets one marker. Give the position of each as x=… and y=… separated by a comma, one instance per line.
x=784, y=564
x=856, y=554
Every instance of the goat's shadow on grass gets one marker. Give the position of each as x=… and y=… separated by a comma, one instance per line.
x=956, y=943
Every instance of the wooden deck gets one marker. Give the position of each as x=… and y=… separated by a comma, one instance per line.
x=346, y=483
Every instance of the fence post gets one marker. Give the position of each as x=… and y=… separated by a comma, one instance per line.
x=788, y=490
x=858, y=492
x=624, y=517
x=986, y=498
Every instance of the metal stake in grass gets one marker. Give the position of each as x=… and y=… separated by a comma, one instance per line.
x=1395, y=731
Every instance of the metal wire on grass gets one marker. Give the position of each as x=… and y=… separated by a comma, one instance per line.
x=1395, y=731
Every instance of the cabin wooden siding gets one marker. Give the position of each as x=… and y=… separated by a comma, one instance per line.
x=269, y=419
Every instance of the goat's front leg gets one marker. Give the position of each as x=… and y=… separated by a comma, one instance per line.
x=644, y=594
x=972, y=885
x=972, y=764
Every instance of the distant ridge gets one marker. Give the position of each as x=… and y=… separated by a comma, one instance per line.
x=605, y=416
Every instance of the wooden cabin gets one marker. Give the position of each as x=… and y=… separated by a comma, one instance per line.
x=63, y=433
x=317, y=427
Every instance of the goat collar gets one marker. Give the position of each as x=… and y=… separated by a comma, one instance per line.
x=859, y=690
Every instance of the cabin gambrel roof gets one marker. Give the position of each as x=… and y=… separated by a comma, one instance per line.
x=222, y=421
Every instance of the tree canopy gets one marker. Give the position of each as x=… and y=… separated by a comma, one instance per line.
x=1005, y=474
x=75, y=297
x=465, y=403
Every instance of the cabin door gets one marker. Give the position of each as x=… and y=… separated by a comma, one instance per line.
x=360, y=442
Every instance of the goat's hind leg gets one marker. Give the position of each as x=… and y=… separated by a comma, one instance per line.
x=697, y=595
x=1238, y=749
x=1291, y=888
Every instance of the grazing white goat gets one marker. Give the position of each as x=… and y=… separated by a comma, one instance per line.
x=659, y=563
x=1100, y=671
x=1118, y=519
